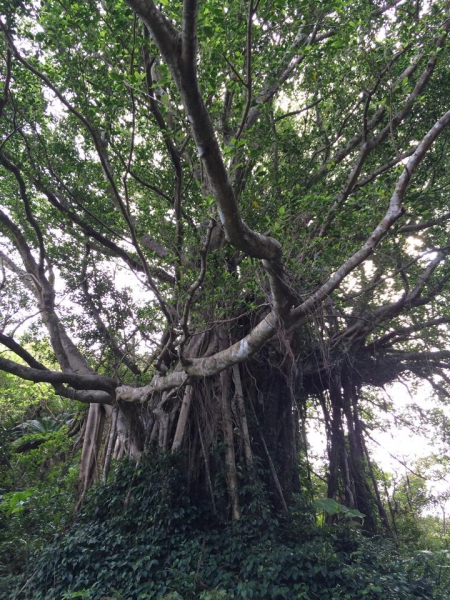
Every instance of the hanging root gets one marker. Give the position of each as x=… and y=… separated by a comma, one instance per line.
x=242, y=417
x=111, y=443
x=89, y=468
x=182, y=418
x=230, y=458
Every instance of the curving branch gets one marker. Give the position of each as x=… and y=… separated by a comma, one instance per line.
x=12, y=168
x=89, y=397
x=195, y=287
x=15, y=347
x=294, y=113
x=67, y=354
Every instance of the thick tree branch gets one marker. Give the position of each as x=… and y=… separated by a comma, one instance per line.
x=80, y=382
x=89, y=397
x=15, y=347
x=67, y=354
x=24, y=277
x=189, y=34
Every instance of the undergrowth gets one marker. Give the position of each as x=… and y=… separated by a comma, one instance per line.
x=142, y=537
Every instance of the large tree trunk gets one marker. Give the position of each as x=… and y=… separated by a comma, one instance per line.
x=219, y=427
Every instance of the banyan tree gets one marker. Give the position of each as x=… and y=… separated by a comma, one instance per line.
x=217, y=215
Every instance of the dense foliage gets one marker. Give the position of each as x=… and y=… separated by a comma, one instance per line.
x=38, y=471
x=140, y=537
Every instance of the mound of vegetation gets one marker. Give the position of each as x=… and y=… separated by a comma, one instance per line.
x=145, y=535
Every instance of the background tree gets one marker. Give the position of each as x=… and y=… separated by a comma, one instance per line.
x=220, y=211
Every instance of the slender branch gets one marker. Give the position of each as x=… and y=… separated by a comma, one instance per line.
x=369, y=145
x=380, y=170
x=377, y=279
x=233, y=68
x=104, y=241
x=342, y=152
x=364, y=325
x=290, y=61
x=248, y=69
x=406, y=331
x=420, y=356
x=425, y=224
x=103, y=330
x=294, y=113
x=195, y=286
x=379, y=11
